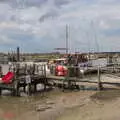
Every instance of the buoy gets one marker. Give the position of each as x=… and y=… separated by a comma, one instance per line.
x=61, y=70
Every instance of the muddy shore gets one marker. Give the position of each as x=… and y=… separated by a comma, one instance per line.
x=57, y=105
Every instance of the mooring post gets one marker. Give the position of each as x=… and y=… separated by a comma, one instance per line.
x=0, y=91
x=25, y=69
x=24, y=88
x=28, y=82
x=16, y=80
x=35, y=87
x=45, y=80
x=99, y=79
x=29, y=89
x=17, y=92
x=34, y=68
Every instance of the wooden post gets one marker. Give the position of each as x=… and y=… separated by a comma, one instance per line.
x=0, y=91
x=16, y=81
x=67, y=77
x=99, y=79
x=45, y=71
x=35, y=87
x=24, y=88
x=28, y=82
x=63, y=85
x=29, y=89
x=45, y=79
x=16, y=91
x=25, y=69
x=33, y=71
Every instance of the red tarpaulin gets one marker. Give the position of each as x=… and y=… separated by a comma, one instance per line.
x=8, y=77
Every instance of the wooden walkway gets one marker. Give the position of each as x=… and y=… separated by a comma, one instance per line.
x=97, y=82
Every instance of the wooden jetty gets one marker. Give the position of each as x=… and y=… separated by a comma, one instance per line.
x=24, y=78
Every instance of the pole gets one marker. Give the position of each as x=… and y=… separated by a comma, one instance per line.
x=99, y=79
x=45, y=79
x=95, y=37
x=18, y=54
x=66, y=39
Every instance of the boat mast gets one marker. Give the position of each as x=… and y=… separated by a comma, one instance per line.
x=66, y=39
x=95, y=37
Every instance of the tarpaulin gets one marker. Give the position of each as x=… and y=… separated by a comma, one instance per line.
x=8, y=77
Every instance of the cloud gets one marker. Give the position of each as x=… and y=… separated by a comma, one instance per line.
x=7, y=41
x=42, y=23
x=51, y=14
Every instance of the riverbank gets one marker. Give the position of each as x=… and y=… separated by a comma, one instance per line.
x=101, y=106
x=57, y=105
x=44, y=106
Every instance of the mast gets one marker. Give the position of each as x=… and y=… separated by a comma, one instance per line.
x=66, y=39
x=95, y=36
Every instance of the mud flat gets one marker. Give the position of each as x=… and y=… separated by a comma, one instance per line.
x=57, y=105
x=103, y=105
x=45, y=106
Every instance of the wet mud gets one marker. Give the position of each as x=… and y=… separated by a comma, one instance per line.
x=58, y=105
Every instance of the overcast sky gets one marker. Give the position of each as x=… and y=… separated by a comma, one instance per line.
x=39, y=25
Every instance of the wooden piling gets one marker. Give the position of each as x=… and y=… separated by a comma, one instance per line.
x=16, y=91
x=35, y=87
x=45, y=79
x=24, y=88
x=0, y=92
x=99, y=79
x=29, y=89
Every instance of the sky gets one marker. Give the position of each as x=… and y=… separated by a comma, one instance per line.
x=40, y=25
